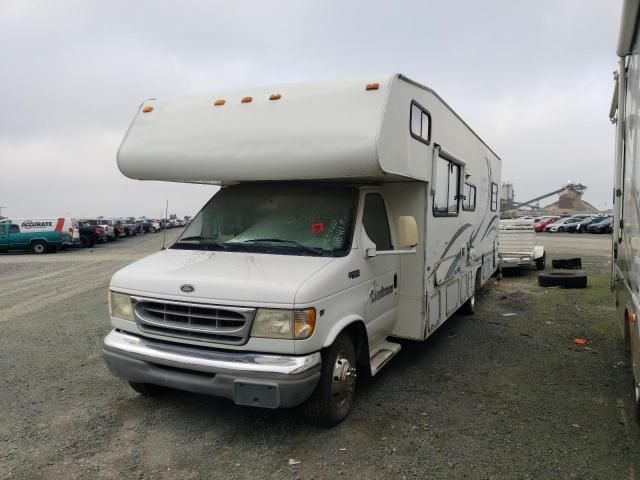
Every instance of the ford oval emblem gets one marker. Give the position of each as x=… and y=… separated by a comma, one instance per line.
x=186, y=288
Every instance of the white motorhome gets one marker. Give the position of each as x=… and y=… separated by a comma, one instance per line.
x=625, y=108
x=351, y=212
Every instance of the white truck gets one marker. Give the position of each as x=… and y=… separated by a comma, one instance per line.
x=517, y=245
x=351, y=212
x=624, y=112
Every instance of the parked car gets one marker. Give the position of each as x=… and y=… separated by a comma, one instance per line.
x=581, y=226
x=90, y=234
x=560, y=225
x=543, y=222
x=37, y=235
x=109, y=230
x=603, y=226
x=92, y=222
x=148, y=225
x=124, y=228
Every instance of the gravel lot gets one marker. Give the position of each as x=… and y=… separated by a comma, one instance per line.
x=487, y=397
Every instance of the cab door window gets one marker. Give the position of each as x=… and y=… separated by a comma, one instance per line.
x=375, y=222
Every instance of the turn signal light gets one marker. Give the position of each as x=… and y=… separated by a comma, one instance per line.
x=372, y=86
x=247, y=99
x=219, y=102
x=632, y=317
x=147, y=109
x=275, y=96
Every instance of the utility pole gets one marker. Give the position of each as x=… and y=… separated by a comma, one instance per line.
x=1, y=210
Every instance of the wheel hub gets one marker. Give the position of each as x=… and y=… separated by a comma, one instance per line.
x=343, y=379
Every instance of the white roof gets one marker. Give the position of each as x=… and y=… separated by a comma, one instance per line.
x=337, y=129
x=315, y=130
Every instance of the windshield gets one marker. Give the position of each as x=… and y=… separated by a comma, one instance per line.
x=277, y=218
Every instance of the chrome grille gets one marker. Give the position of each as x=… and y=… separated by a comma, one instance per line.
x=209, y=323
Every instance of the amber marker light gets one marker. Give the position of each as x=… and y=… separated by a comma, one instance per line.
x=247, y=99
x=147, y=109
x=632, y=317
x=372, y=86
x=219, y=102
x=275, y=96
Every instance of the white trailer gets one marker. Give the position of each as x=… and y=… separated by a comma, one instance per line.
x=624, y=112
x=351, y=212
x=517, y=245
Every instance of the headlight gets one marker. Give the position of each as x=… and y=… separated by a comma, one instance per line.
x=120, y=306
x=285, y=324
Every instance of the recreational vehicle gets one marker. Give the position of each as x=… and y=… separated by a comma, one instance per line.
x=624, y=112
x=350, y=213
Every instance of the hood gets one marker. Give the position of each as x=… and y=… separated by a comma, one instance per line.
x=219, y=277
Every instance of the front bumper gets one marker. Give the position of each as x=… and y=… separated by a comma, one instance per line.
x=261, y=380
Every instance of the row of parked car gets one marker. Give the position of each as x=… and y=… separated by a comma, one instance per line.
x=580, y=223
x=46, y=235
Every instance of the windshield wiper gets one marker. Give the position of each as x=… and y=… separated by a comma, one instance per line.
x=317, y=251
x=210, y=240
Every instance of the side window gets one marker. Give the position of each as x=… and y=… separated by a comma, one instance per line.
x=494, y=197
x=420, y=123
x=447, y=185
x=14, y=229
x=374, y=219
x=469, y=201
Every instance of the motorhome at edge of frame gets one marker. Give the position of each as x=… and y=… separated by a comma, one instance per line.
x=351, y=212
x=625, y=108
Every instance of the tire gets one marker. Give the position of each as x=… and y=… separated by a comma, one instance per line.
x=562, y=279
x=147, y=389
x=332, y=399
x=152, y=230
x=635, y=389
x=84, y=240
x=39, y=247
x=92, y=243
x=567, y=263
x=469, y=307
x=560, y=229
x=541, y=262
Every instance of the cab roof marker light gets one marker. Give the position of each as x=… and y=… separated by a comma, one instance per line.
x=372, y=86
x=275, y=96
x=247, y=99
x=147, y=109
x=219, y=102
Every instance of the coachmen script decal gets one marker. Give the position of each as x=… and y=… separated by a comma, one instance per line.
x=30, y=224
x=376, y=293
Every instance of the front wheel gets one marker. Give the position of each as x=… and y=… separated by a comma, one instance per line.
x=561, y=229
x=332, y=399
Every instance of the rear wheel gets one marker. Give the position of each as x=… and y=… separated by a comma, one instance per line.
x=39, y=247
x=561, y=229
x=84, y=240
x=147, y=389
x=332, y=399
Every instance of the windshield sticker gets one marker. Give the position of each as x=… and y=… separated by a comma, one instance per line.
x=317, y=228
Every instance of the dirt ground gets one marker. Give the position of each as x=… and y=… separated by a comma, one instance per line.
x=487, y=397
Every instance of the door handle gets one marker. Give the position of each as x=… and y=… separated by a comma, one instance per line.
x=395, y=280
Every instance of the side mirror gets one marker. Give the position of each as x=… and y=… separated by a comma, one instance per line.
x=407, y=232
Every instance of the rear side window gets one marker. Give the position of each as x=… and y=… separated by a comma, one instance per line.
x=494, y=197
x=469, y=200
x=420, y=123
x=14, y=229
x=445, y=200
x=376, y=224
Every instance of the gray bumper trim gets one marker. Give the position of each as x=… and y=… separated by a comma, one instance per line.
x=271, y=380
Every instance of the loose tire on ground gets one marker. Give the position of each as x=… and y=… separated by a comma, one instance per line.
x=147, y=389
x=562, y=279
x=39, y=247
x=332, y=399
x=567, y=263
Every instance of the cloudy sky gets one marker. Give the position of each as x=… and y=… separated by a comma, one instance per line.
x=533, y=78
